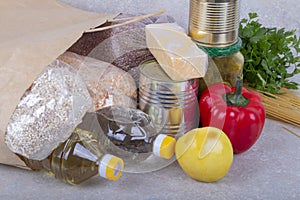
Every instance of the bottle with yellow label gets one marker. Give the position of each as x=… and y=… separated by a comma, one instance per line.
x=78, y=159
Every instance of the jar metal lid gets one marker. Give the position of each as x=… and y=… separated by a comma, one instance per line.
x=222, y=51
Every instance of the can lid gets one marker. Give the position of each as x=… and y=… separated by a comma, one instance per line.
x=110, y=167
x=222, y=51
x=152, y=69
x=164, y=146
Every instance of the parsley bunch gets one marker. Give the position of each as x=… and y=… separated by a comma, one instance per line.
x=271, y=55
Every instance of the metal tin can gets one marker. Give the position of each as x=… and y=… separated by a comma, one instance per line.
x=172, y=105
x=214, y=22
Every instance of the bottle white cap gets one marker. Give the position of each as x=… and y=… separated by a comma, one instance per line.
x=164, y=146
x=110, y=167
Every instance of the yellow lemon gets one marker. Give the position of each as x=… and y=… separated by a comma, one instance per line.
x=205, y=154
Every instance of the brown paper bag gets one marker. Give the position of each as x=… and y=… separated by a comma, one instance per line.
x=33, y=33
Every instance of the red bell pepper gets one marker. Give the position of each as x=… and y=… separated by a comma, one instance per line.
x=238, y=112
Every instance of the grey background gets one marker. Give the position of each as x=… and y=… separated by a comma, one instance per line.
x=280, y=13
x=269, y=170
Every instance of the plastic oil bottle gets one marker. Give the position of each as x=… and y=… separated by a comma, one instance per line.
x=80, y=158
x=130, y=134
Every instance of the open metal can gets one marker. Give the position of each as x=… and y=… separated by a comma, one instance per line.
x=172, y=105
x=214, y=22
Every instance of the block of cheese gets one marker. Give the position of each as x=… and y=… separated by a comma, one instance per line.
x=175, y=51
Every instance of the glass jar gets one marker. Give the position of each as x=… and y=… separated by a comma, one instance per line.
x=225, y=65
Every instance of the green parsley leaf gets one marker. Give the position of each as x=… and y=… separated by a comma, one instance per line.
x=271, y=55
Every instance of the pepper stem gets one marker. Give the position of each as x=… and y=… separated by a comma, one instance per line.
x=236, y=98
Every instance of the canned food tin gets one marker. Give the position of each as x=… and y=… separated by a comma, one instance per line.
x=214, y=22
x=172, y=105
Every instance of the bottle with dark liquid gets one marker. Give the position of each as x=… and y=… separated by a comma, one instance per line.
x=130, y=134
x=80, y=158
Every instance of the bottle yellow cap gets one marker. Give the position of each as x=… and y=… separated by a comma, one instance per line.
x=164, y=146
x=110, y=167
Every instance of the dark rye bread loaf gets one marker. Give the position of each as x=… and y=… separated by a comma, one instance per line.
x=124, y=46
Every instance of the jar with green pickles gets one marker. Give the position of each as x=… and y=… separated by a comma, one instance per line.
x=225, y=64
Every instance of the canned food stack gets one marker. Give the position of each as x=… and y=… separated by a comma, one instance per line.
x=213, y=25
x=168, y=86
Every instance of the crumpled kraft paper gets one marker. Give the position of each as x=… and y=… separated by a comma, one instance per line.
x=33, y=33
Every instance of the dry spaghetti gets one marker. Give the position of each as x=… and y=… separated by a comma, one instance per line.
x=283, y=107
